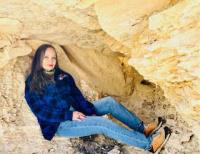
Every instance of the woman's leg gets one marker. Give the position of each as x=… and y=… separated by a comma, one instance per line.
x=109, y=105
x=100, y=125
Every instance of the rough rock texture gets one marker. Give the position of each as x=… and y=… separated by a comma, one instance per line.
x=171, y=57
x=145, y=56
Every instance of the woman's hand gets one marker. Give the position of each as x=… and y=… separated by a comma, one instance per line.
x=78, y=116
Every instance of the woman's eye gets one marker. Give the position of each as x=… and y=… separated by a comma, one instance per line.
x=53, y=58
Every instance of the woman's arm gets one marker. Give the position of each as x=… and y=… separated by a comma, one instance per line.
x=80, y=102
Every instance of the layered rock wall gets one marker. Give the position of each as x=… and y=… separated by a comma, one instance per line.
x=109, y=47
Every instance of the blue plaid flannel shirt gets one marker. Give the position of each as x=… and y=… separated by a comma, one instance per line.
x=52, y=107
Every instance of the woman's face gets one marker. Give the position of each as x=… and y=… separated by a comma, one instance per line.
x=49, y=59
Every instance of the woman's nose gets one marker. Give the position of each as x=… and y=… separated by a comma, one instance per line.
x=50, y=61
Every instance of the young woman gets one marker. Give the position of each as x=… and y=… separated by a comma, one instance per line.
x=62, y=110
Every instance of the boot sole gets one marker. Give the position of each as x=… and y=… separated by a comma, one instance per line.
x=168, y=132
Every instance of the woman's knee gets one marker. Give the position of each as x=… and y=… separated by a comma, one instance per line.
x=112, y=101
x=110, y=98
x=105, y=105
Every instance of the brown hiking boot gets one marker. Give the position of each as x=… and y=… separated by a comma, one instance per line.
x=158, y=140
x=149, y=128
x=153, y=127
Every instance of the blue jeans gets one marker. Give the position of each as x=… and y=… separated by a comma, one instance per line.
x=100, y=125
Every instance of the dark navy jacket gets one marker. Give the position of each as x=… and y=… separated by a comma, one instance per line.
x=52, y=107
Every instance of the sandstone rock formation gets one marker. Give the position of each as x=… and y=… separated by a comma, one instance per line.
x=146, y=54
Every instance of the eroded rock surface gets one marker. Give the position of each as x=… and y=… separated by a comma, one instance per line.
x=145, y=56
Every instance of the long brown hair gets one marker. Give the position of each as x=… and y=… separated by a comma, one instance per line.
x=38, y=78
